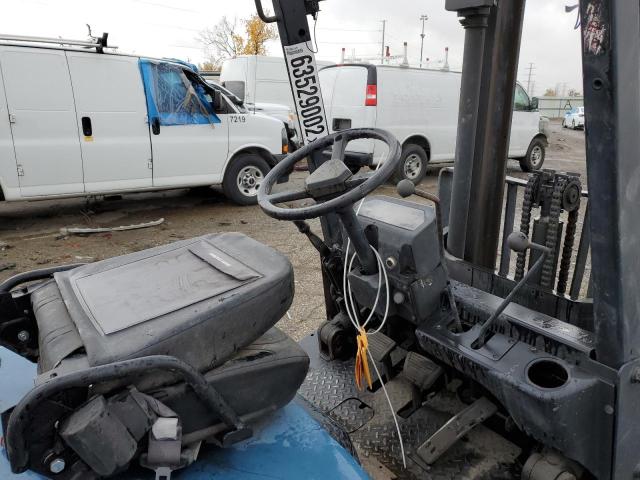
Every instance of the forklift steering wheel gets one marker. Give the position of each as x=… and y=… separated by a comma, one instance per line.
x=332, y=185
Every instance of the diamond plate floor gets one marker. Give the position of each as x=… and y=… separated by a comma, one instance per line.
x=330, y=387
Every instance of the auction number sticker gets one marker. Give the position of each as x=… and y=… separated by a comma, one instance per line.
x=303, y=75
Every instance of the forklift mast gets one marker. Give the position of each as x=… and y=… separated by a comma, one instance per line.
x=610, y=37
x=611, y=72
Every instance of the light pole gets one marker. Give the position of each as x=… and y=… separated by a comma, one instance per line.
x=423, y=18
x=384, y=24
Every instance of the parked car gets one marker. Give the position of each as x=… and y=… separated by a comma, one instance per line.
x=103, y=123
x=420, y=107
x=574, y=118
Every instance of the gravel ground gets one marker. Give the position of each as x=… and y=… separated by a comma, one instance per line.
x=30, y=232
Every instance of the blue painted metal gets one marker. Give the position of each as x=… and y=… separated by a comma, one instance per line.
x=289, y=444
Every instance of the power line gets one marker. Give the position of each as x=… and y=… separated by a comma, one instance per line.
x=191, y=47
x=348, y=30
x=174, y=27
x=169, y=7
x=347, y=42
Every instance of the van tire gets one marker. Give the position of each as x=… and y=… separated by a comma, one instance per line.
x=534, y=158
x=413, y=164
x=243, y=177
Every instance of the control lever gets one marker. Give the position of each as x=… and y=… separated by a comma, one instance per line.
x=406, y=188
x=517, y=242
x=318, y=244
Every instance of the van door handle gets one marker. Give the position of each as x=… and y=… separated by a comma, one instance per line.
x=341, y=124
x=155, y=126
x=86, y=127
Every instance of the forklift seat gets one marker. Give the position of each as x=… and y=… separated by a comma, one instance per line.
x=200, y=300
x=211, y=302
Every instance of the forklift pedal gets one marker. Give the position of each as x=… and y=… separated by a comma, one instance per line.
x=380, y=346
x=421, y=371
x=457, y=427
x=397, y=357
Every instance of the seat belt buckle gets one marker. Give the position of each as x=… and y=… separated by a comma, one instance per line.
x=165, y=448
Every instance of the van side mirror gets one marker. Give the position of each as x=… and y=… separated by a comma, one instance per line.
x=155, y=126
x=533, y=106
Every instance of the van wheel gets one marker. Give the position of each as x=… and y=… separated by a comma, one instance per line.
x=535, y=156
x=413, y=165
x=244, y=177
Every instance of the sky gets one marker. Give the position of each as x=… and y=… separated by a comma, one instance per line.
x=169, y=28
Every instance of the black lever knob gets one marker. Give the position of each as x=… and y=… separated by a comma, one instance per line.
x=519, y=242
x=405, y=188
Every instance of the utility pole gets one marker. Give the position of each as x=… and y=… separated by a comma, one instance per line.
x=531, y=69
x=384, y=23
x=423, y=18
x=445, y=67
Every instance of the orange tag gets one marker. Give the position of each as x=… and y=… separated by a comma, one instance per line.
x=362, y=363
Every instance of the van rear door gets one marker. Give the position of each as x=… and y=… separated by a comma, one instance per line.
x=112, y=117
x=43, y=121
x=8, y=173
x=350, y=98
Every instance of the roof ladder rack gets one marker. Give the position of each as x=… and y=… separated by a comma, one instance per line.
x=99, y=43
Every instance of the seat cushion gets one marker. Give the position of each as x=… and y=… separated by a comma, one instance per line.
x=261, y=377
x=200, y=300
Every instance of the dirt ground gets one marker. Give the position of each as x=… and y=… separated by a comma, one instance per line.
x=30, y=232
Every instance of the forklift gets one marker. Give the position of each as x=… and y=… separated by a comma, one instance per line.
x=481, y=345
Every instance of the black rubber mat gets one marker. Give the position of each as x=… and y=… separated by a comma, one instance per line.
x=330, y=387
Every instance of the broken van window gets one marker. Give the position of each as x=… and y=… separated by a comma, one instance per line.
x=173, y=98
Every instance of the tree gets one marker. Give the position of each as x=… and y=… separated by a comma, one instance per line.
x=258, y=34
x=221, y=42
x=208, y=66
x=550, y=92
x=225, y=41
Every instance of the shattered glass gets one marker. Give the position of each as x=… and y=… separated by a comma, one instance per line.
x=174, y=98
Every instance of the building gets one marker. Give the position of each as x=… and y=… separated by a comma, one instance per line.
x=556, y=107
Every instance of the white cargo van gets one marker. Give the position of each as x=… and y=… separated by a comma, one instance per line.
x=420, y=107
x=103, y=123
x=258, y=79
